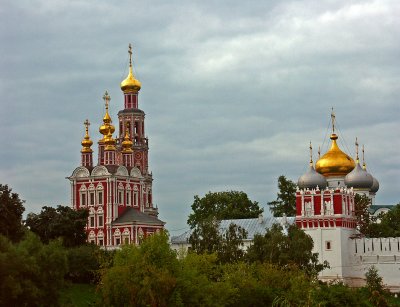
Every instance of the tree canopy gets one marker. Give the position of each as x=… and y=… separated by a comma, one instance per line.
x=61, y=222
x=227, y=244
x=285, y=249
x=223, y=205
x=285, y=202
x=11, y=209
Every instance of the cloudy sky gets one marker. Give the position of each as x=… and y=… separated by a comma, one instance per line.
x=233, y=93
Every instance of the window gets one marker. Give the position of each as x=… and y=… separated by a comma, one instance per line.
x=100, y=198
x=91, y=198
x=100, y=221
x=128, y=198
x=101, y=242
x=136, y=195
x=83, y=199
x=328, y=245
x=91, y=221
x=117, y=241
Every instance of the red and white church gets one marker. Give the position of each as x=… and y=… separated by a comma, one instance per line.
x=118, y=190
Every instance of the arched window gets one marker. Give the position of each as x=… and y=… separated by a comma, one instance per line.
x=100, y=194
x=83, y=196
x=100, y=217
x=100, y=238
x=126, y=236
x=91, y=218
x=120, y=194
x=117, y=237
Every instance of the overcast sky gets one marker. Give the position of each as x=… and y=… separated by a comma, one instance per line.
x=233, y=93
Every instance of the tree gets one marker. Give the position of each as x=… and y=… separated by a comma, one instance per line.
x=363, y=217
x=285, y=203
x=142, y=275
x=223, y=205
x=375, y=286
x=293, y=248
x=11, y=209
x=389, y=225
x=61, y=222
x=209, y=238
x=31, y=273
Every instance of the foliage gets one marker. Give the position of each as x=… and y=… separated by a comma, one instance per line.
x=140, y=276
x=207, y=237
x=31, y=274
x=285, y=203
x=389, y=225
x=83, y=263
x=363, y=217
x=61, y=222
x=78, y=295
x=11, y=209
x=338, y=295
x=223, y=205
x=374, y=284
x=293, y=248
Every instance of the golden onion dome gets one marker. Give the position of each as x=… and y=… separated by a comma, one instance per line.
x=109, y=141
x=130, y=84
x=107, y=122
x=86, y=142
x=127, y=143
x=334, y=162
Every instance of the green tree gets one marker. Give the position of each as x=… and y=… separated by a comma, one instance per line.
x=208, y=237
x=61, y=222
x=83, y=263
x=293, y=248
x=223, y=205
x=285, y=202
x=364, y=219
x=374, y=284
x=11, y=209
x=389, y=225
x=142, y=275
x=31, y=273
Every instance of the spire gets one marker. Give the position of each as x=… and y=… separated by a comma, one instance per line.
x=311, y=161
x=333, y=118
x=86, y=142
x=130, y=84
x=357, y=159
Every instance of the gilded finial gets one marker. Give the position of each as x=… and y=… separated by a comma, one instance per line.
x=130, y=84
x=86, y=142
x=130, y=55
x=107, y=118
x=311, y=161
x=364, y=165
x=333, y=117
x=357, y=159
x=106, y=99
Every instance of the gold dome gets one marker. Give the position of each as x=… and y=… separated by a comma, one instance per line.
x=107, y=122
x=86, y=142
x=130, y=84
x=109, y=141
x=127, y=143
x=334, y=162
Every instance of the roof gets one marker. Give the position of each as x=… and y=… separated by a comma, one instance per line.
x=252, y=226
x=134, y=216
x=372, y=209
x=131, y=111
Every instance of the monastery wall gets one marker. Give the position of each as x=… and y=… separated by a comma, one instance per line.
x=383, y=253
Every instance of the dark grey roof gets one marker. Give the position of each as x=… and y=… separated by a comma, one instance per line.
x=372, y=209
x=134, y=216
x=252, y=226
x=112, y=169
x=131, y=111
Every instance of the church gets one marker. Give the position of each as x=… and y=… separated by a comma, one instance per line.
x=117, y=191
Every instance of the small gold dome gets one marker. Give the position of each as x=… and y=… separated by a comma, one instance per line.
x=107, y=122
x=334, y=162
x=109, y=141
x=127, y=143
x=86, y=142
x=130, y=84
